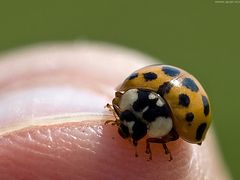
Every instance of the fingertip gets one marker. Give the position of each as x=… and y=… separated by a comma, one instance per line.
x=190, y=161
x=91, y=149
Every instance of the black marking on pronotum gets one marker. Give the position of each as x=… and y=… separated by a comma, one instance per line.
x=149, y=76
x=128, y=116
x=205, y=105
x=123, y=131
x=142, y=100
x=171, y=71
x=190, y=84
x=139, y=130
x=200, y=130
x=184, y=100
x=164, y=88
x=189, y=117
x=155, y=111
x=133, y=76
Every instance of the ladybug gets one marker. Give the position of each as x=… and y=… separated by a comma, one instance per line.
x=161, y=103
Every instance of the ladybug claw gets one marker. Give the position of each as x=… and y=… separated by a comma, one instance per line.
x=148, y=151
x=167, y=152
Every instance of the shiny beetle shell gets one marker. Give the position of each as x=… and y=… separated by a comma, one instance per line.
x=182, y=92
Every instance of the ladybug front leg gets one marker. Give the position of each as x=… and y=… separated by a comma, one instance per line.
x=115, y=110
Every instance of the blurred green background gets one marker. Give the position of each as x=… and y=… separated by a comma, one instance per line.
x=202, y=37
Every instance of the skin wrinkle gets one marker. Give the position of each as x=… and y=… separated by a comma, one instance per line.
x=56, y=119
x=46, y=154
x=80, y=145
x=109, y=161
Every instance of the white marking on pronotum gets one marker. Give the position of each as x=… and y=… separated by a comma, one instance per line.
x=152, y=96
x=160, y=127
x=129, y=125
x=160, y=102
x=127, y=99
x=146, y=108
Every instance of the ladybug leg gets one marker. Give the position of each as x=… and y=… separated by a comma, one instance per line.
x=148, y=149
x=113, y=108
x=172, y=136
x=135, y=143
x=160, y=141
x=109, y=107
x=167, y=151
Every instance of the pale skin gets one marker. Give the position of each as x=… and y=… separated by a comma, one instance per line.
x=52, y=120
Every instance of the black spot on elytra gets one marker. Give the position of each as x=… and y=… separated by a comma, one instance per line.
x=190, y=84
x=164, y=88
x=133, y=76
x=128, y=116
x=155, y=111
x=205, y=105
x=170, y=71
x=149, y=76
x=200, y=130
x=184, y=100
x=189, y=117
x=139, y=130
x=123, y=131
